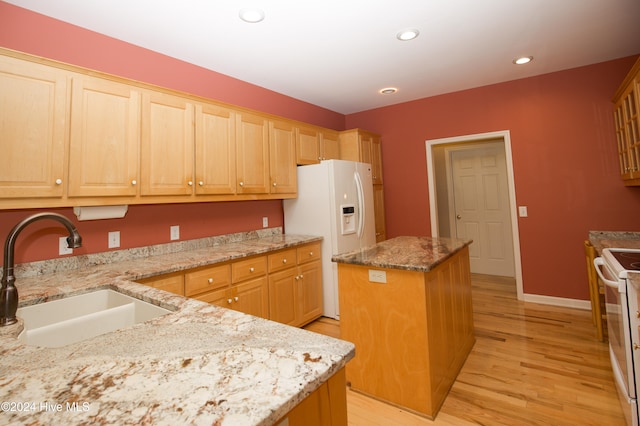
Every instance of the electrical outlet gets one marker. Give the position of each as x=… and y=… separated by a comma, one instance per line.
x=114, y=239
x=265, y=222
x=175, y=232
x=63, y=247
x=376, y=276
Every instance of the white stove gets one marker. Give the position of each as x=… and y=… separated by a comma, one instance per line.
x=621, y=301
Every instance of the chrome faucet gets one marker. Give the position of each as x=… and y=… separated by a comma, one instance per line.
x=8, y=291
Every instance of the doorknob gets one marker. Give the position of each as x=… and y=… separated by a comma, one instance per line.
x=458, y=216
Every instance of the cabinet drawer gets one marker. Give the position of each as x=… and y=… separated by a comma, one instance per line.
x=247, y=269
x=207, y=279
x=309, y=253
x=282, y=260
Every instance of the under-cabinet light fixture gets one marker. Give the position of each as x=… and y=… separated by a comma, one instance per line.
x=100, y=212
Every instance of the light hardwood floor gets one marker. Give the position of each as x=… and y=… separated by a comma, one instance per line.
x=531, y=365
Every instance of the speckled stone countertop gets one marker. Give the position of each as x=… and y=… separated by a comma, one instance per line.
x=614, y=239
x=200, y=364
x=617, y=239
x=411, y=253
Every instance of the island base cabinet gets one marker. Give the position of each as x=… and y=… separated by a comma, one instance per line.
x=412, y=332
x=327, y=406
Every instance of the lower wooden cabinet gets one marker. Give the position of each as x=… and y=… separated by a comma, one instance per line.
x=284, y=286
x=412, y=333
x=295, y=285
x=327, y=406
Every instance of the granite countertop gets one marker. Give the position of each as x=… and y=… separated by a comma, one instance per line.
x=614, y=239
x=410, y=253
x=200, y=364
x=617, y=239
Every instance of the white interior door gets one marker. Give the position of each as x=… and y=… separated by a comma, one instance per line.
x=481, y=208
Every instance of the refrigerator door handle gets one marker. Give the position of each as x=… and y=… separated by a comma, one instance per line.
x=361, y=205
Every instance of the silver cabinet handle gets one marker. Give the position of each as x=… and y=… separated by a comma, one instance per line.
x=134, y=182
x=210, y=280
x=58, y=181
x=201, y=183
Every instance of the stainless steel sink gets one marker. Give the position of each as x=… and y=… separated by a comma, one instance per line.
x=77, y=318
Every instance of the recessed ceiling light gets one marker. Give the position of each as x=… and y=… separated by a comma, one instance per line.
x=409, y=34
x=523, y=60
x=388, y=90
x=251, y=15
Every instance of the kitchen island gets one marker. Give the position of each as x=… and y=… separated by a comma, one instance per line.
x=199, y=364
x=406, y=304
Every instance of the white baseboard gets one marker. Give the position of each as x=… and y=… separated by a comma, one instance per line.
x=558, y=301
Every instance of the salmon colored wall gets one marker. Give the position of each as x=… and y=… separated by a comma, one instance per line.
x=564, y=158
x=36, y=34
x=142, y=226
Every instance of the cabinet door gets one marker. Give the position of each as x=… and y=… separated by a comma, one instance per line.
x=252, y=297
x=252, y=154
x=365, y=141
x=220, y=297
x=307, y=146
x=628, y=134
x=33, y=101
x=105, y=129
x=282, y=297
x=215, y=150
x=376, y=160
x=309, y=292
x=378, y=213
x=167, y=145
x=282, y=158
x=329, y=145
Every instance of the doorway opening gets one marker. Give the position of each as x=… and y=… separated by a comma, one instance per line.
x=472, y=196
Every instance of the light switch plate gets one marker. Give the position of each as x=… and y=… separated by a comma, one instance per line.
x=522, y=211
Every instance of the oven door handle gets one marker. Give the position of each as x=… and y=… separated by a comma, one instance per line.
x=598, y=262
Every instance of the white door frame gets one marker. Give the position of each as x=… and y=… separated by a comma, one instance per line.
x=506, y=138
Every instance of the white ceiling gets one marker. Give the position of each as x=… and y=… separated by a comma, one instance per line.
x=337, y=54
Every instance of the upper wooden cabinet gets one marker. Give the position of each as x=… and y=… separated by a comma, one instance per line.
x=627, y=124
x=33, y=105
x=308, y=146
x=314, y=145
x=167, y=144
x=363, y=146
x=329, y=145
x=91, y=138
x=215, y=150
x=104, y=138
x=282, y=158
x=252, y=154
x=366, y=147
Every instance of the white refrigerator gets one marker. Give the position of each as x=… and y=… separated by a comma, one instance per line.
x=335, y=201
